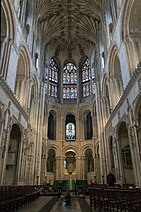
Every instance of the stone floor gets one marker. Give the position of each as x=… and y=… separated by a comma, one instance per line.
x=61, y=205
x=40, y=205
x=37, y=205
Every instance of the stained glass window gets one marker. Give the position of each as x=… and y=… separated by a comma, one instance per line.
x=53, y=78
x=69, y=81
x=93, y=79
x=70, y=131
x=86, y=76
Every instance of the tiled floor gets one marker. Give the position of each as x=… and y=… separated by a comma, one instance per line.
x=62, y=206
x=37, y=205
x=59, y=206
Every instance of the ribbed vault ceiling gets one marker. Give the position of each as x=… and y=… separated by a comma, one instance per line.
x=69, y=24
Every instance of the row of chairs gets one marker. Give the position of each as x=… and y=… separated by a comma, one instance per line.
x=121, y=186
x=13, y=198
x=115, y=199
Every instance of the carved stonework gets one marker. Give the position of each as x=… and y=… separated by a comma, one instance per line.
x=130, y=119
x=26, y=131
x=5, y=135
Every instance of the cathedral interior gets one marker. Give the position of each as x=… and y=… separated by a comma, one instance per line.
x=70, y=91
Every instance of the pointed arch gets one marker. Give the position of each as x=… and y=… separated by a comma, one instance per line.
x=32, y=99
x=22, y=76
x=6, y=7
x=25, y=54
x=106, y=97
x=115, y=74
x=7, y=36
x=131, y=30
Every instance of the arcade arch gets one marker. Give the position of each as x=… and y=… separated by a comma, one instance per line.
x=125, y=154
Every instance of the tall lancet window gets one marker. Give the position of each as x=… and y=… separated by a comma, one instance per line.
x=53, y=78
x=70, y=128
x=93, y=78
x=69, y=81
x=86, y=77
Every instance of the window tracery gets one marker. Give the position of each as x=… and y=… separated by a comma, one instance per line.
x=69, y=81
x=86, y=76
x=93, y=79
x=53, y=78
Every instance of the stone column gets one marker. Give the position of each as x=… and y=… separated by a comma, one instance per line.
x=31, y=152
x=96, y=167
x=133, y=140
x=116, y=162
x=22, y=91
x=77, y=127
x=2, y=124
x=39, y=131
x=82, y=170
x=120, y=163
x=28, y=165
x=23, y=159
x=34, y=137
x=19, y=163
x=43, y=167
x=5, y=136
x=62, y=167
x=44, y=161
x=104, y=155
x=18, y=88
x=78, y=167
x=63, y=127
x=57, y=168
x=27, y=91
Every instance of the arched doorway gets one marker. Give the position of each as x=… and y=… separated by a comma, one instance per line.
x=126, y=159
x=13, y=156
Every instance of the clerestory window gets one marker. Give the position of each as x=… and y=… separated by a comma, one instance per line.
x=69, y=81
x=86, y=78
x=53, y=79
